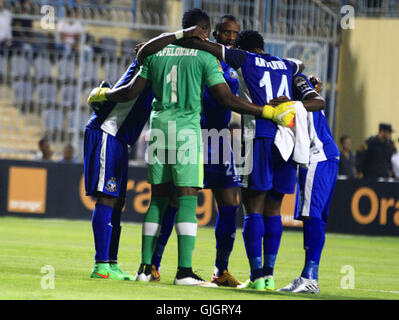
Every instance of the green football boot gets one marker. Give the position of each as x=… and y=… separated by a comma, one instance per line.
x=103, y=271
x=116, y=268
x=258, y=284
x=269, y=283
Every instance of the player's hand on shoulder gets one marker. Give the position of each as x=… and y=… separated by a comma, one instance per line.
x=195, y=32
x=317, y=83
x=139, y=46
x=276, y=101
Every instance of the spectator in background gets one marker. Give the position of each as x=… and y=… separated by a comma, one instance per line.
x=69, y=31
x=45, y=152
x=68, y=156
x=395, y=164
x=22, y=33
x=378, y=153
x=5, y=26
x=347, y=158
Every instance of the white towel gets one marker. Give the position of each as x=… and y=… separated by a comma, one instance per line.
x=295, y=141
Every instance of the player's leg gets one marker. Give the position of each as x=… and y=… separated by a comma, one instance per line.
x=160, y=197
x=115, y=237
x=161, y=180
x=253, y=230
x=256, y=183
x=317, y=186
x=168, y=221
x=284, y=181
x=104, y=179
x=188, y=179
x=225, y=231
x=273, y=230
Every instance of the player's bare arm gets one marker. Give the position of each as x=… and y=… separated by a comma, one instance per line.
x=282, y=114
x=213, y=48
x=128, y=92
x=222, y=93
x=160, y=42
x=313, y=102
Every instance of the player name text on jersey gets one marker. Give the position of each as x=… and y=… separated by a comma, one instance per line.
x=270, y=64
x=177, y=52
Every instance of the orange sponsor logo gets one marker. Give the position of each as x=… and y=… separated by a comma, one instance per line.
x=27, y=190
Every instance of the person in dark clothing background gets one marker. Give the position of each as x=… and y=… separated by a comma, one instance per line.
x=347, y=158
x=378, y=152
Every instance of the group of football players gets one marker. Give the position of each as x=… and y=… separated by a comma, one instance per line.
x=186, y=85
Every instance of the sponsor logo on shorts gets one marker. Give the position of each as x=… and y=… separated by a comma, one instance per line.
x=111, y=185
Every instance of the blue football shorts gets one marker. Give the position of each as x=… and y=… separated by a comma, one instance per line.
x=105, y=164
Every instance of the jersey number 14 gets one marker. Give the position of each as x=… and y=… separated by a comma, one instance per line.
x=283, y=89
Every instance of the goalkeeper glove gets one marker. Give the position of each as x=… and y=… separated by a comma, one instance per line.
x=283, y=114
x=98, y=95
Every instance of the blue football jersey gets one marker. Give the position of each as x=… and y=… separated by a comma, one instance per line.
x=126, y=120
x=262, y=77
x=322, y=146
x=213, y=114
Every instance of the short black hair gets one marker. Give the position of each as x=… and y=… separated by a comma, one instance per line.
x=42, y=140
x=249, y=39
x=193, y=16
x=385, y=127
x=343, y=138
x=227, y=17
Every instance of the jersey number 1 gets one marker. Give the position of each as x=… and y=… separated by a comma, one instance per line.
x=171, y=77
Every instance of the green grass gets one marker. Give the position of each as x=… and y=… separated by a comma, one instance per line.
x=26, y=245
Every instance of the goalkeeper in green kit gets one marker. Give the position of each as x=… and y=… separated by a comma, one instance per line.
x=178, y=76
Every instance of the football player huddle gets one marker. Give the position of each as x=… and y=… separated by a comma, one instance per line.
x=187, y=87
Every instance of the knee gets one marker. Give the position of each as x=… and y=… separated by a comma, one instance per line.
x=107, y=200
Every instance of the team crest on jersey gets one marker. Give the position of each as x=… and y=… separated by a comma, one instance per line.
x=111, y=185
x=233, y=74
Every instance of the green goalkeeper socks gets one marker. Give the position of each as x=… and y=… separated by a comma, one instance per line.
x=151, y=227
x=186, y=229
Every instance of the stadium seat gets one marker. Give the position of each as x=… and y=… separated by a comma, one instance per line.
x=23, y=91
x=108, y=46
x=42, y=67
x=47, y=93
x=128, y=47
x=68, y=95
x=66, y=68
x=20, y=63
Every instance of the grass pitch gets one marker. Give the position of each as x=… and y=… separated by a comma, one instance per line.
x=28, y=245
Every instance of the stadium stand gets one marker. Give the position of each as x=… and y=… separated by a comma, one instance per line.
x=43, y=87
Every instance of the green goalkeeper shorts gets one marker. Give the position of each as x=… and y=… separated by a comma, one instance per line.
x=181, y=168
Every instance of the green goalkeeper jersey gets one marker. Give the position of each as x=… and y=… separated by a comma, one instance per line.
x=178, y=76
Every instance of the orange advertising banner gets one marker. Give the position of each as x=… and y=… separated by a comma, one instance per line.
x=27, y=190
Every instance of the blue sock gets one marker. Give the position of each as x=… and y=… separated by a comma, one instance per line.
x=271, y=242
x=253, y=232
x=102, y=229
x=115, y=235
x=225, y=231
x=168, y=221
x=313, y=242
